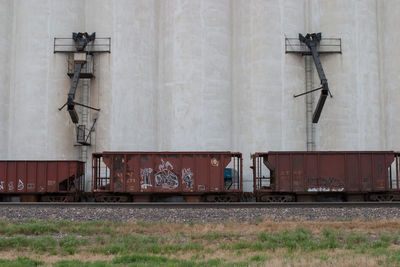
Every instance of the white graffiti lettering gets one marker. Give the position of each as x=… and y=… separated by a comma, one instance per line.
x=323, y=189
x=187, y=178
x=20, y=185
x=11, y=186
x=145, y=180
x=2, y=185
x=166, y=178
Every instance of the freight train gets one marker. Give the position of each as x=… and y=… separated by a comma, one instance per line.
x=207, y=176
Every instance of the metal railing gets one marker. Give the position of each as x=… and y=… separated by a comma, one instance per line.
x=325, y=46
x=261, y=173
x=101, y=174
x=67, y=45
x=393, y=172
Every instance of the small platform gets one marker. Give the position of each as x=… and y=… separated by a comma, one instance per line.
x=82, y=75
x=67, y=45
x=326, y=46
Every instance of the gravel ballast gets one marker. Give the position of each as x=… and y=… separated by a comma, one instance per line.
x=196, y=215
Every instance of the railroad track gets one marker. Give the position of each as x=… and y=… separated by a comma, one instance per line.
x=202, y=205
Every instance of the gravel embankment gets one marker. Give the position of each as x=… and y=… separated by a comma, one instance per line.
x=196, y=214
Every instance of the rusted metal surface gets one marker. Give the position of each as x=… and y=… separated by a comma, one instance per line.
x=180, y=173
x=323, y=172
x=40, y=177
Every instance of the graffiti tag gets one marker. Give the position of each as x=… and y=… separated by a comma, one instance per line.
x=187, y=178
x=20, y=185
x=2, y=185
x=145, y=177
x=214, y=162
x=11, y=186
x=325, y=184
x=165, y=177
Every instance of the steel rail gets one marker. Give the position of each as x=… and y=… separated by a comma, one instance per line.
x=201, y=205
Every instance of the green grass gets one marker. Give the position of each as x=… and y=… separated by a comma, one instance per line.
x=44, y=244
x=132, y=243
x=259, y=258
x=304, y=240
x=145, y=244
x=145, y=260
x=71, y=243
x=68, y=244
x=20, y=262
x=31, y=227
x=213, y=236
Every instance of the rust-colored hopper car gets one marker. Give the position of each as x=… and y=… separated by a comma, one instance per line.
x=41, y=180
x=326, y=176
x=152, y=176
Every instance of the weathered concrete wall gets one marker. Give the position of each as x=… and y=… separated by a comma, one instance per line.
x=351, y=119
x=6, y=28
x=38, y=82
x=266, y=116
x=195, y=75
x=199, y=75
x=390, y=68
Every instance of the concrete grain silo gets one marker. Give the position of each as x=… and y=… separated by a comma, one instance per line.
x=38, y=80
x=351, y=119
x=195, y=79
x=389, y=36
x=266, y=116
x=6, y=29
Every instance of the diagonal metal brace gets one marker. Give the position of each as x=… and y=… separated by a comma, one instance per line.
x=311, y=41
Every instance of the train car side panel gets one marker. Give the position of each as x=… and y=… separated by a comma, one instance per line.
x=21, y=176
x=353, y=178
x=365, y=166
x=31, y=182
x=11, y=176
x=331, y=174
x=298, y=172
x=135, y=174
x=3, y=176
x=335, y=175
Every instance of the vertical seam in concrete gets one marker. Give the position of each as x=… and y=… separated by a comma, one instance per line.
x=382, y=117
x=232, y=61
x=283, y=121
x=46, y=112
x=11, y=113
x=203, y=41
x=156, y=16
x=160, y=55
x=114, y=105
x=361, y=96
x=6, y=127
x=254, y=125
